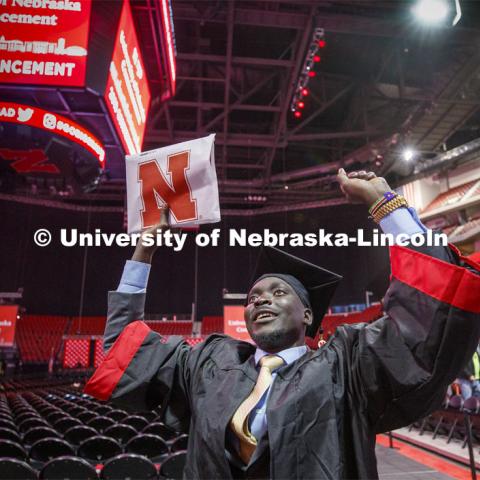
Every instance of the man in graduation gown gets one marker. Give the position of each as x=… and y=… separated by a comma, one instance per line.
x=316, y=415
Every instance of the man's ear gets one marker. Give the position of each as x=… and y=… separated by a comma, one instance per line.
x=307, y=317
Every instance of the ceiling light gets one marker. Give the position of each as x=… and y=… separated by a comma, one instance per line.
x=408, y=154
x=431, y=12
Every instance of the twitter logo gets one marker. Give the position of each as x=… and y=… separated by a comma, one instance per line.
x=24, y=114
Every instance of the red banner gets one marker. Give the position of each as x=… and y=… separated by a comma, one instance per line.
x=44, y=41
x=54, y=123
x=234, y=322
x=127, y=93
x=8, y=321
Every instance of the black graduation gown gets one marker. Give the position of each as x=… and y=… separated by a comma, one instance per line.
x=325, y=409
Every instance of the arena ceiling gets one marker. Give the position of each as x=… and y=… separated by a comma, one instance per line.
x=383, y=82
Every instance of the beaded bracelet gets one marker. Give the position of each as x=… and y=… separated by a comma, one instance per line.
x=386, y=204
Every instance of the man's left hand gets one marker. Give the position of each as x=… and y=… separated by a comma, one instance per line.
x=362, y=187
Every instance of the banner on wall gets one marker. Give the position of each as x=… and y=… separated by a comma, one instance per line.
x=181, y=176
x=8, y=322
x=234, y=322
x=44, y=41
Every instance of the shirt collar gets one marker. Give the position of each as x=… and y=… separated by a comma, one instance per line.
x=289, y=355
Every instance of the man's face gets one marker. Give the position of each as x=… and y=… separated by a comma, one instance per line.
x=275, y=316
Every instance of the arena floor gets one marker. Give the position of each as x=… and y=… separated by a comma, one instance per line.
x=394, y=464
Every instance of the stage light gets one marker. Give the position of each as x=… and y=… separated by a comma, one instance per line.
x=301, y=104
x=408, y=154
x=297, y=114
x=311, y=73
x=431, y=12
x=304, y=92
x=322, y=43
x=316, y=58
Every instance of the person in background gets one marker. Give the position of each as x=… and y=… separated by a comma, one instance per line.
x=469, y=379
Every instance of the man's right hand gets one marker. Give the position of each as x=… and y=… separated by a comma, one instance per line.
x=145, y=253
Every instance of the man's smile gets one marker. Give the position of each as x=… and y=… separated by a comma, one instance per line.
x=264, y=316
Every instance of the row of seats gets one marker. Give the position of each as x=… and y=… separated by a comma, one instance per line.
x=125, y=466
x=453, y=420
x=171, y=328
x=35, y=381
x=454, y=195
x=39, y=336
x=86, y=326
x=38, y=427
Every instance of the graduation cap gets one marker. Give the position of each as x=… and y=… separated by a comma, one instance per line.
x=319, y=282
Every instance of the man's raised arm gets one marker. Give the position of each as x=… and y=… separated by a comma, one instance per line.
x=141, y=369
x=127, y=303
x=401, y=365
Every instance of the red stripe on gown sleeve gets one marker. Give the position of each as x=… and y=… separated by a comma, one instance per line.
x=106, y=377
x=448, y=283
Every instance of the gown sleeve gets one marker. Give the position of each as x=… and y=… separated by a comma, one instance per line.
x=142, y=370
x=401, y=365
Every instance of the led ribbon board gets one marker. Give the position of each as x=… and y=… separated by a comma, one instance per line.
x=167, y=31
x=127, y=94
x=54, y=123
x=44, y=41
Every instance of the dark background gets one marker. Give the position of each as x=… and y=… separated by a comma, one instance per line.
x=52, y=276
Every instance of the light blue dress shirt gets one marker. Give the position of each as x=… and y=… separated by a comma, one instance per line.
x=135, y=279
x=258, y=418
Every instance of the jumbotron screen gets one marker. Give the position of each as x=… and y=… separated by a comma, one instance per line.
x=44, y=42
x=127, y=93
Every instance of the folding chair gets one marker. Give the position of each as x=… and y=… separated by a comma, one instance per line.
x=12, y=450
x=151, y=446
x=161, y=430
x=77, y=434
x=129, y=466
x=99, y=449
x=137, y=422
x=47, y=448
x=68, y=468
x=14, y=469
x=172, y=467
x=121, y=433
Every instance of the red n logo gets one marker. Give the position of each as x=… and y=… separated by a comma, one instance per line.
x=156, y=190
x=29, y=161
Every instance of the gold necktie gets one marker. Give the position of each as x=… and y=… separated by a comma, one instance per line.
x=239, y=422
